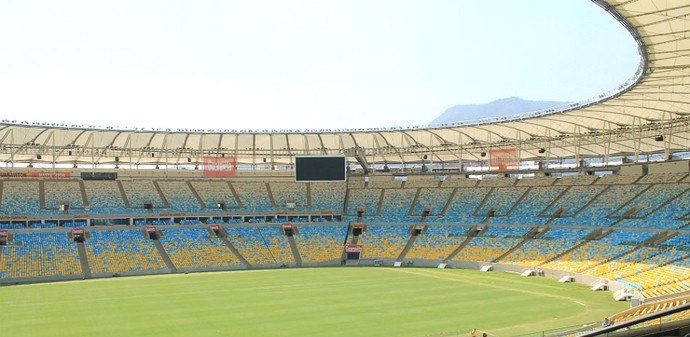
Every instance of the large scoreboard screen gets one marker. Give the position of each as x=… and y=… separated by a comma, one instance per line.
x=320, y=168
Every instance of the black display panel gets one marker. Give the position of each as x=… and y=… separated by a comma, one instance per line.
x=99, y=175
x=320, y=168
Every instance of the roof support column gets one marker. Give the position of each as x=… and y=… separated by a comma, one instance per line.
x=460, y=151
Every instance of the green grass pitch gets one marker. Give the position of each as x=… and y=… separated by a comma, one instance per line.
x=324, y=302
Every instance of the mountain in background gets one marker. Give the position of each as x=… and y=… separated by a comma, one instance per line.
x=497, y=108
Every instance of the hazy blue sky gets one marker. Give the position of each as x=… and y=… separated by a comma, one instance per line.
x=298, y=64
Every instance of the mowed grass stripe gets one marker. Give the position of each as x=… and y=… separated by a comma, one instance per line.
x=366, y=302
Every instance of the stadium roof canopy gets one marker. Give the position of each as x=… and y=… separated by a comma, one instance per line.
x=647, y=114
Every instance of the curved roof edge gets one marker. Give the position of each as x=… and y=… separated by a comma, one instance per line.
x=647, y=114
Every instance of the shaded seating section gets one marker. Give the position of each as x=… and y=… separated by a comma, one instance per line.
x=438, y=242
x=261, y=245
x=395, y=206
x=501, y=200
x=253, y=196
x=21, y=198
x=179, y=196
x=536, y=200
x=40, y=254
x=356, y=182
x=666, y=178
x=289, y=192
x=535, y=252
x=195, y=248
x=367, y=199
x=104, y=197
x=610, y=200
x=574, y=199
x=320, y=243
x=651, y=224
x=595, y=214
x=328, y=196
x=383, y=241
x=496, y=241
x=652, y=198
x=463, y=205
x=583, y=221
x=676, y=207
x=681, y=241
x=596, y=252
x=213, y=191
x=434, y=199
x=121, y=251
x=59, y=192
x=140, y=192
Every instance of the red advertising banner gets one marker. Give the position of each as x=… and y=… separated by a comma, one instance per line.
x=60, y=175
x=78, y=231
x=3, y=233
x=353, y=248
x=503, y=159
x=287, y=225
x=220, y=167
x=150, y=229
x=215, y=227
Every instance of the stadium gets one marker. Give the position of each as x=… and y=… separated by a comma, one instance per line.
x=541, y=223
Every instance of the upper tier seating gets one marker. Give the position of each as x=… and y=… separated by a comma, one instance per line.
x=142, y=191
x=366, y=199
x=20, y=198
x=212, y=192
x=434, y=199
x=104, y=197
x=328, y=196
x=180, y=196
x=253, y=196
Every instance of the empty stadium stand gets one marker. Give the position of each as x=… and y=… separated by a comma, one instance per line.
x=630, y=230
